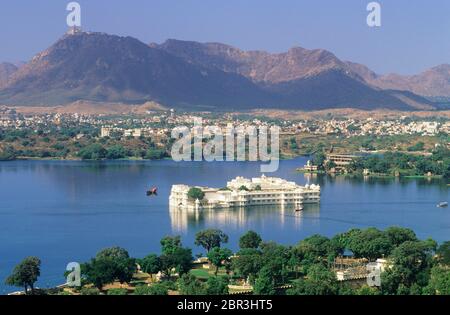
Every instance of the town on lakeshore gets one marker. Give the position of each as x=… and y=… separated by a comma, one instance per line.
x=376, y=144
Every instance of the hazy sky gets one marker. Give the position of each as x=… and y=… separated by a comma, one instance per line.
x=415, y=34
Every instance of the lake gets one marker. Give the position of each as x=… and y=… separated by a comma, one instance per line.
x=67, y=211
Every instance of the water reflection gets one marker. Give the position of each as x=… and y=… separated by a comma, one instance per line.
x=324, y=180
x=183, y=221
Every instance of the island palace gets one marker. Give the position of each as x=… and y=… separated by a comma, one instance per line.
x=243, y=192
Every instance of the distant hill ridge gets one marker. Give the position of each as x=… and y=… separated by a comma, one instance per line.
x=212, y=76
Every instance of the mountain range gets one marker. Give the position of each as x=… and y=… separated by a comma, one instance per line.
x=208, y=76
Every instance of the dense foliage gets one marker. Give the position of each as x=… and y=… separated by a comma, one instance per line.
x=402, y=164
x=411, y=266
x=77, y=142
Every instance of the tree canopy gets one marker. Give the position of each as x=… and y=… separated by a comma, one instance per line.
x=109, y=265
x=210, y=238
x=196, y=193
x=26, y=274
x=250, y=239
x=174, y=256
x=150, y=264
x=443, y=253
x=410, y=266
x=219, y=256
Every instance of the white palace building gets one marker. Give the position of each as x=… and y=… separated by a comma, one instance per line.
x=242, y=192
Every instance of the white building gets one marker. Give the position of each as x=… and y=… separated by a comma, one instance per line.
x=105, y=132
x=243, y=192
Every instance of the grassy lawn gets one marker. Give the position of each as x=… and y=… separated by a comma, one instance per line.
x=203, y=274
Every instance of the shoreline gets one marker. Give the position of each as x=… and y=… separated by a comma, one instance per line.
x=387, y=176
x=23, y=158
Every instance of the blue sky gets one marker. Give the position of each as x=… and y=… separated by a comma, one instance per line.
x=414, y=34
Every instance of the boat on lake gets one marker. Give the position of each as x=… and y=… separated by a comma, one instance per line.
x=442, y=204
x=152, y=192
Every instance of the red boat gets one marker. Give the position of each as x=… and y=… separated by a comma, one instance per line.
x=152, y=192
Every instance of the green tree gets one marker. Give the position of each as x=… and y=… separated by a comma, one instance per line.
x=293, y=143
x=247, y=263
x=443, y=253
x=124, y=266
x=170, y=243
x=154, y=154
x=319, y=159
x=319, y=281
x=250, y=239
x=8, y=154
x=419, y=146
x=99, y=272
x=440, y=281
x=150, y=264
x=93, y=151
x=196, y=193
x=264, y=284
x=116, y=152
x=183, y=260
x=180, y=260
x=25, y=274
x=189, y=285
x=410, y=265
x=275, y=259
x=217, y=286
x=370, y=243
x=109, y=265
x=125, y=269
x=210, y=238
x=113, y=252
x=398, y=235
x=317, y=249
x=219, y=257
x=174, y=256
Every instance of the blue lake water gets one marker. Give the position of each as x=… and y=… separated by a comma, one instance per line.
x=67, y=211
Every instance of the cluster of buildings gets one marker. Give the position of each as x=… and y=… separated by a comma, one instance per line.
x=9, y=118
x=242, y=192
x=133, y=132
x=340, y=162
x=371, y=126
x=7, y=115
x=360, y=270
x=161, y=122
